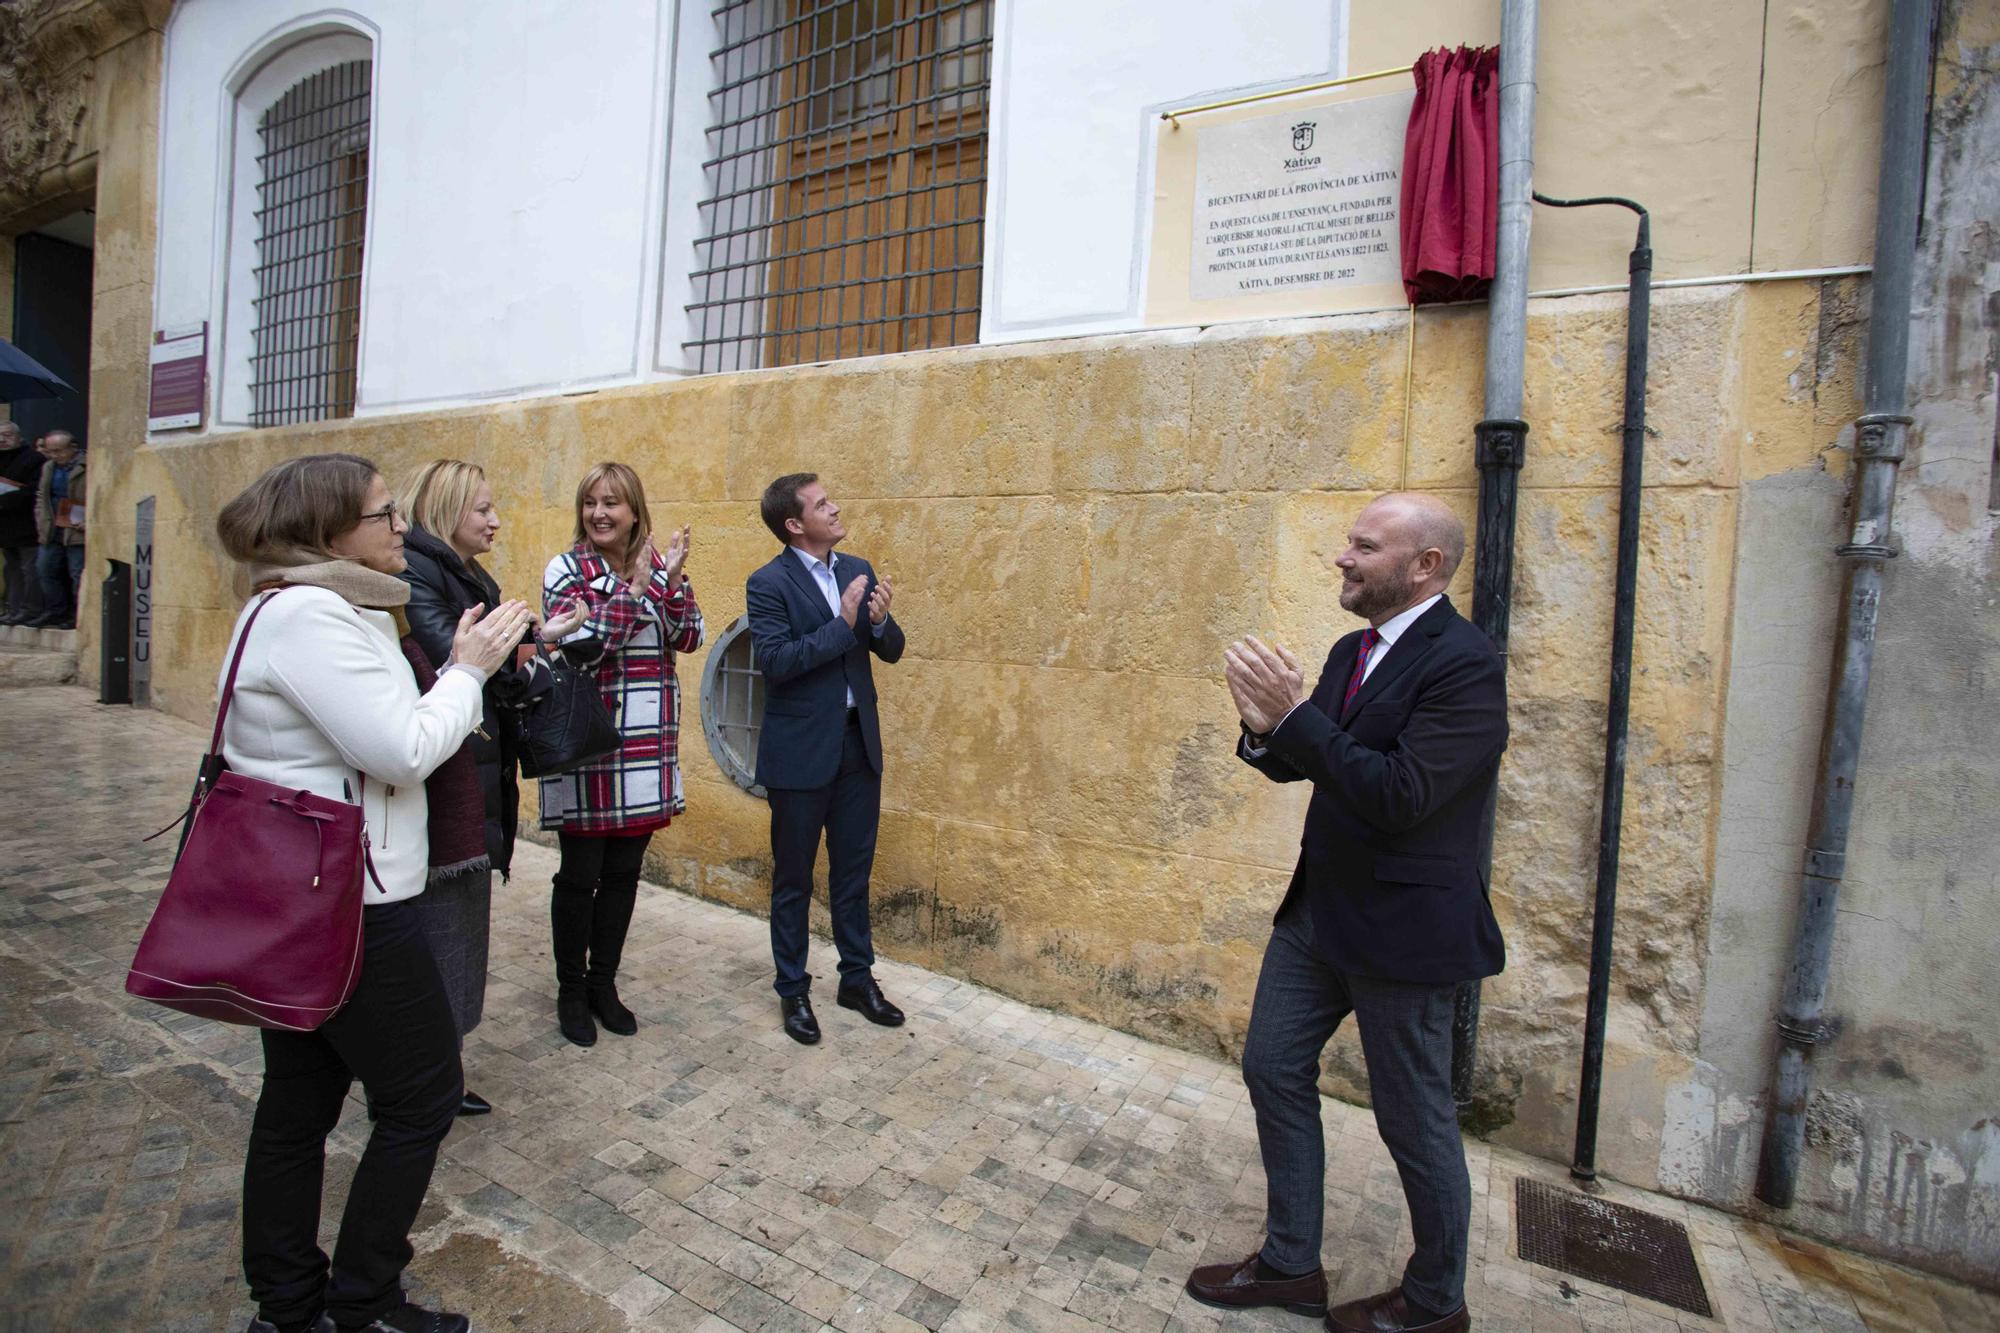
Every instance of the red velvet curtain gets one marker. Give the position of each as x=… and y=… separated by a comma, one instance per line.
x=1451, y=176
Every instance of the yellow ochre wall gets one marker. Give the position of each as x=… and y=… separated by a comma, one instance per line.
x=1750, y=131
x=1075, y=530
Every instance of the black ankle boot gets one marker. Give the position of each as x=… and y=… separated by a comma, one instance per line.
x=573, y=1016
x=610, y=1011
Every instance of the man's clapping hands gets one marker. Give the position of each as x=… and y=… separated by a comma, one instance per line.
x=1264, y=679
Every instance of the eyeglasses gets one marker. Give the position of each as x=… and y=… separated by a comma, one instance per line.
x=389, y=513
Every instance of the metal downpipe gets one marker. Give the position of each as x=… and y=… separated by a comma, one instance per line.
x=1881, y=435
x=1618, y=707
x=1501, y=439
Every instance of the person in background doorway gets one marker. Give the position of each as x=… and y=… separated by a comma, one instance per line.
x=59, y=520
x=639, y=610
x=453, y=522
x=20, y=541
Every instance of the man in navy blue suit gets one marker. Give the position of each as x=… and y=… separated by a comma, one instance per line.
x=1387, y=911
x=814, y=618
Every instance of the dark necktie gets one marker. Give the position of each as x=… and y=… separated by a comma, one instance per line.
x=1369, y=638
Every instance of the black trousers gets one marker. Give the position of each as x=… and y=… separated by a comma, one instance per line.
x=848, y=810
x=1406, y=1044
x=590, y=911
x=396, y=1035
x=24, y=580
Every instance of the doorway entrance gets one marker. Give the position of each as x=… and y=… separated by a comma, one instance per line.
x=52, y=294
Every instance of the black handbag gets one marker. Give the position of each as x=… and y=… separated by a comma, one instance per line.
x=564, y=723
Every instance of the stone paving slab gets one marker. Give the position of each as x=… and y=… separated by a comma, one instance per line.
x=988, y=1167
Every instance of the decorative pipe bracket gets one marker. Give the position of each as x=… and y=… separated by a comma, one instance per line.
x=1882, y=436
x=1500, y=442
x=1824, y=864
x=1804, y=1034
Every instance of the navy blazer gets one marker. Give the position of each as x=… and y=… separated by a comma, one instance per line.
x=1392, y=864
x=810, y=659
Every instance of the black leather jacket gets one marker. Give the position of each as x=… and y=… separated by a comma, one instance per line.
x=442, y=588
x=23, y=467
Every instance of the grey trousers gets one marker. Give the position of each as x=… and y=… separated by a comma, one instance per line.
x=1406, y=1041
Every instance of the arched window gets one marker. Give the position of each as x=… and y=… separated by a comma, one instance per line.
x=732, y=704
x=312, y=211
x=299, y=192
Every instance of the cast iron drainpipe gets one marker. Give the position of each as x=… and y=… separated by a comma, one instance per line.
x=1880, y=437
x=1501, y=438
x=1638, y=313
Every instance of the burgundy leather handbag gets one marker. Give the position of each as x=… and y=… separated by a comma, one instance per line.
x=260, y=922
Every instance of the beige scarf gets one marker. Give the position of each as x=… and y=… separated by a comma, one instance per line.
x=356, y=582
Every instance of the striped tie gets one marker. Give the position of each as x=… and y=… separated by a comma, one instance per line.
x=1369, y=638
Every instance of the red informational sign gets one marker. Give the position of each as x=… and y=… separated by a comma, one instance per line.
x=180, y=378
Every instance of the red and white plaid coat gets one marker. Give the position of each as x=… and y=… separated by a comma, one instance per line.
x=637, y=789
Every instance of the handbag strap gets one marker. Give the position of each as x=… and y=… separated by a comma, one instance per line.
x=235, y=663
x=222, y=715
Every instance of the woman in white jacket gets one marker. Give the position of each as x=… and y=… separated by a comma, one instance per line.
x=325, y=696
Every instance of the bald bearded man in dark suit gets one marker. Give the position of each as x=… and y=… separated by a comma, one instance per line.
x=1386, y=913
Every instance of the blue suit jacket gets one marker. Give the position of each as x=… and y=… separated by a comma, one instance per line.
x=1392, y=864
x=810, y=659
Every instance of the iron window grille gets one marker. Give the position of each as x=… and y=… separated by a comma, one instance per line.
x=732, y=704
x=847, y=173
x=312, y=209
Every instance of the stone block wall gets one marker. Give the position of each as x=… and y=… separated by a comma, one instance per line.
x=1076, y=529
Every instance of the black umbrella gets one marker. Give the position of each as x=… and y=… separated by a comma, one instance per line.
x=21, y=376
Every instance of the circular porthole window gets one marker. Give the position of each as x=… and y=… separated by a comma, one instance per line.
x=732, y=704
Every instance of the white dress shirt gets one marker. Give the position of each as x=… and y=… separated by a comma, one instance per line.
x=829, y=588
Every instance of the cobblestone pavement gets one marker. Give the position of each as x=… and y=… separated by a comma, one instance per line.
x=989, y=1166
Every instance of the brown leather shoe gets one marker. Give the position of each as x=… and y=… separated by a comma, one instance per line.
x=1387, y=1312
x=1237, y=1286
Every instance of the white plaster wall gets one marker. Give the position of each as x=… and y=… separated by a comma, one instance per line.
x=516, y=172
x=1077, y=92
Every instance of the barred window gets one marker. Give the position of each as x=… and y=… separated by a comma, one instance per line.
x=732, y=704
x=847, y=180
x=312, y=208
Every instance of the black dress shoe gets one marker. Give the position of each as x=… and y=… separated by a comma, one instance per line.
x=1237, y=1286
x=323, y=1324
x=411, y=1318
x=474, y=1104
x=573, y=1016
x=611, y=1011
x=1389, y=1312
x=800, y=1025
x=872, y=1003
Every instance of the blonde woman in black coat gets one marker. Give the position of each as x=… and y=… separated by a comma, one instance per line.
x=453, y=522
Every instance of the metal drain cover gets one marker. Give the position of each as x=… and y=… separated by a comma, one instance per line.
x=1607, y=1242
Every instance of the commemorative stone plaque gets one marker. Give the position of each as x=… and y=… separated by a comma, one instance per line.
x=1299, y=200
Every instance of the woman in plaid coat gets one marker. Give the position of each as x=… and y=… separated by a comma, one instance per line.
x=641, y=611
